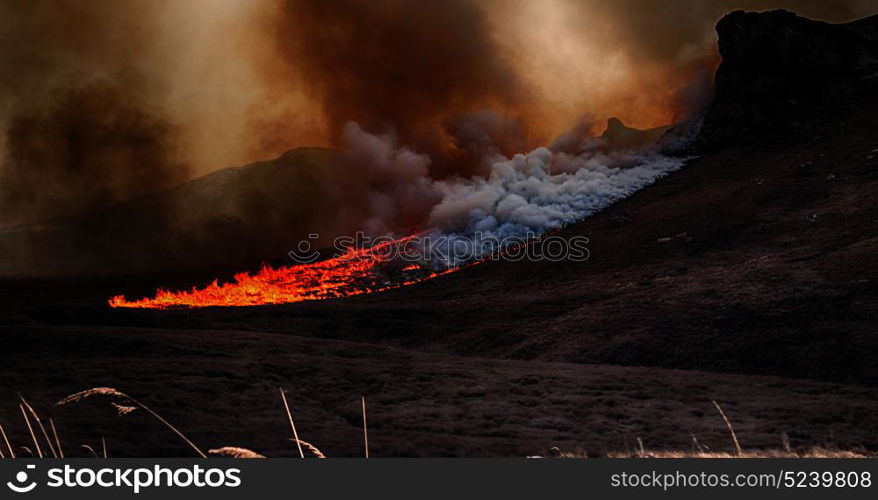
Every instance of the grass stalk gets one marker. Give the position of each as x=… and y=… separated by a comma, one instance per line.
x=729, y=425
x=6, y=440
x=39, y=423
x=292, y=425
x=365, y=429
x=108, y=391
x=57, y=441
x=313, y=449
x=31, y=429
x=235, y=452
x=169, y=426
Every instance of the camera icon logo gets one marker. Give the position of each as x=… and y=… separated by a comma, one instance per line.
x=21, y=478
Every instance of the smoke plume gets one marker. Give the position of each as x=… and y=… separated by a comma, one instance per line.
x=91, y=147
x=79, y=131
x=387, y=186
x=102, y=101
x=108, y=100
x=421, y=70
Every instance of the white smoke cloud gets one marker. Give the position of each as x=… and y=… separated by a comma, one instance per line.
x=540, y=191
x=531, y=194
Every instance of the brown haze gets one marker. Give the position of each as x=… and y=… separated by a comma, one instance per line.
x=105, y=100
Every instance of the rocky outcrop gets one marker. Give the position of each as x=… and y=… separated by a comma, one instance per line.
x=620, y=136
x=779, y=71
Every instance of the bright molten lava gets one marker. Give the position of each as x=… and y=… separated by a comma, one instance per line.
x=356, y=272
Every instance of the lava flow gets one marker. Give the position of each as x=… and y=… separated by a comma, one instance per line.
x=358, y=271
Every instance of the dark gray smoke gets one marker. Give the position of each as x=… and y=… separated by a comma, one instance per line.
x=87, y=148
x=417, y=69
x=80, y=128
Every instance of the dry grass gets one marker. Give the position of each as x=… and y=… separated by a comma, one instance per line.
x=6, y=440
x=57, y=439
x=292, y=424
x=28, y=412
x=698, y=451
x=122, y=409
x=815, y=452
x=365, y=430
x=808, y=453
x=89, y=449
x=313, y=449
x=31, y=431
x=95, y=391
x=53, y=443
x=299, y=443
x=40, y=423
x=109, y=391
x=729, y=426
x=235, y=452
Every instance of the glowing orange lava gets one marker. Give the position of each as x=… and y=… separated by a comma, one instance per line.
x=356, y=272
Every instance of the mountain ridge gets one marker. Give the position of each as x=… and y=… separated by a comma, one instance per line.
x=781, y=72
